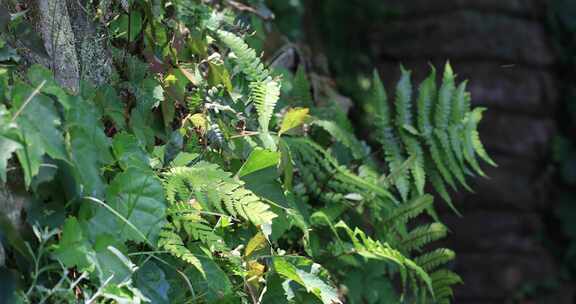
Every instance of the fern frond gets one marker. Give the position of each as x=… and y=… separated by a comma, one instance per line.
x=449, y=158
x=426, y=97
x=265, y=94
x=214, y=189
x=373, y=249
x=442, y=281
x=249, y=63
x=341, y=135
x=317, y=166
x=404, y=99
x=241, y=202
x=432, y=260
x=188, y=217
x=401, y=215
x=474, y=118
x=443, y=106
x=392, y=147
x=423, y=235
x=170, y=241
x=301, y=88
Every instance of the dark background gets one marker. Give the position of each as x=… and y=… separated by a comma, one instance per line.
x=517, y=240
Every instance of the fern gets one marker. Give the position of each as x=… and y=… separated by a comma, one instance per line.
x=423, y=235
x=264, y=91
x=394, y=154
x=341, y=135
x=401, y=215
x=171, y=241
x=264, y=95
x=324, y=177
x=372, y=249
x=248, y=62
x=432, y=260
x=301, y=88
x=442, y=281
x=444, y=142
x=216, y=191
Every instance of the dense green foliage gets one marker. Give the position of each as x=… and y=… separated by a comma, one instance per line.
x=199, y=175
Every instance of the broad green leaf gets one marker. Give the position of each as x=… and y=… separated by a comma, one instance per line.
x=38, y=136
x=111, y=262
x=293, y=118
x=259, y=159
x=89, y=146
x=215, y=284
x=129, y=153
x=38, y=74
x=74, y=249
x=110, y=105
x=151, y=280
x=138, y=197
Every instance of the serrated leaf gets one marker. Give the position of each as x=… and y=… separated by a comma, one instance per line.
x=38, y=136
x=137, y=195
x=74, y=249
x=38, y=74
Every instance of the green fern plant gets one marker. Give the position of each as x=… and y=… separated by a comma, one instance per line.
x=439, y=131
x=264, y=90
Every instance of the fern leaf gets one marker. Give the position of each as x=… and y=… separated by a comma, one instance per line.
x=426, y=97
x=442, y=280
x=301, y=91
x=265, y=95
x=449, y=158
x=341, y=135
x=404, y=99
x=417, y=168
x=440, y=187
x=249, y=63
x=436, y=154
x=460, y=103
x=475, y=117
x=431, y=260
x=372, y=249
x=404, y=120
x=171, y=242
x=401, y=215
x=442, y=111
x=423, y=235
x=392, y=147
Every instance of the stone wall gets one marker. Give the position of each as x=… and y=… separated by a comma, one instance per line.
x=503, y=49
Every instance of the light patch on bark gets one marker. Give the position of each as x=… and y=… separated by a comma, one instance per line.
x=91, y=44
x=59, y=42
x=11, y=205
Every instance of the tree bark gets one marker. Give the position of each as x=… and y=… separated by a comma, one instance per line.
x=59, y=41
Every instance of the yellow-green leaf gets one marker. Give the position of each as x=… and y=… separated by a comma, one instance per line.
x=294, y=118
